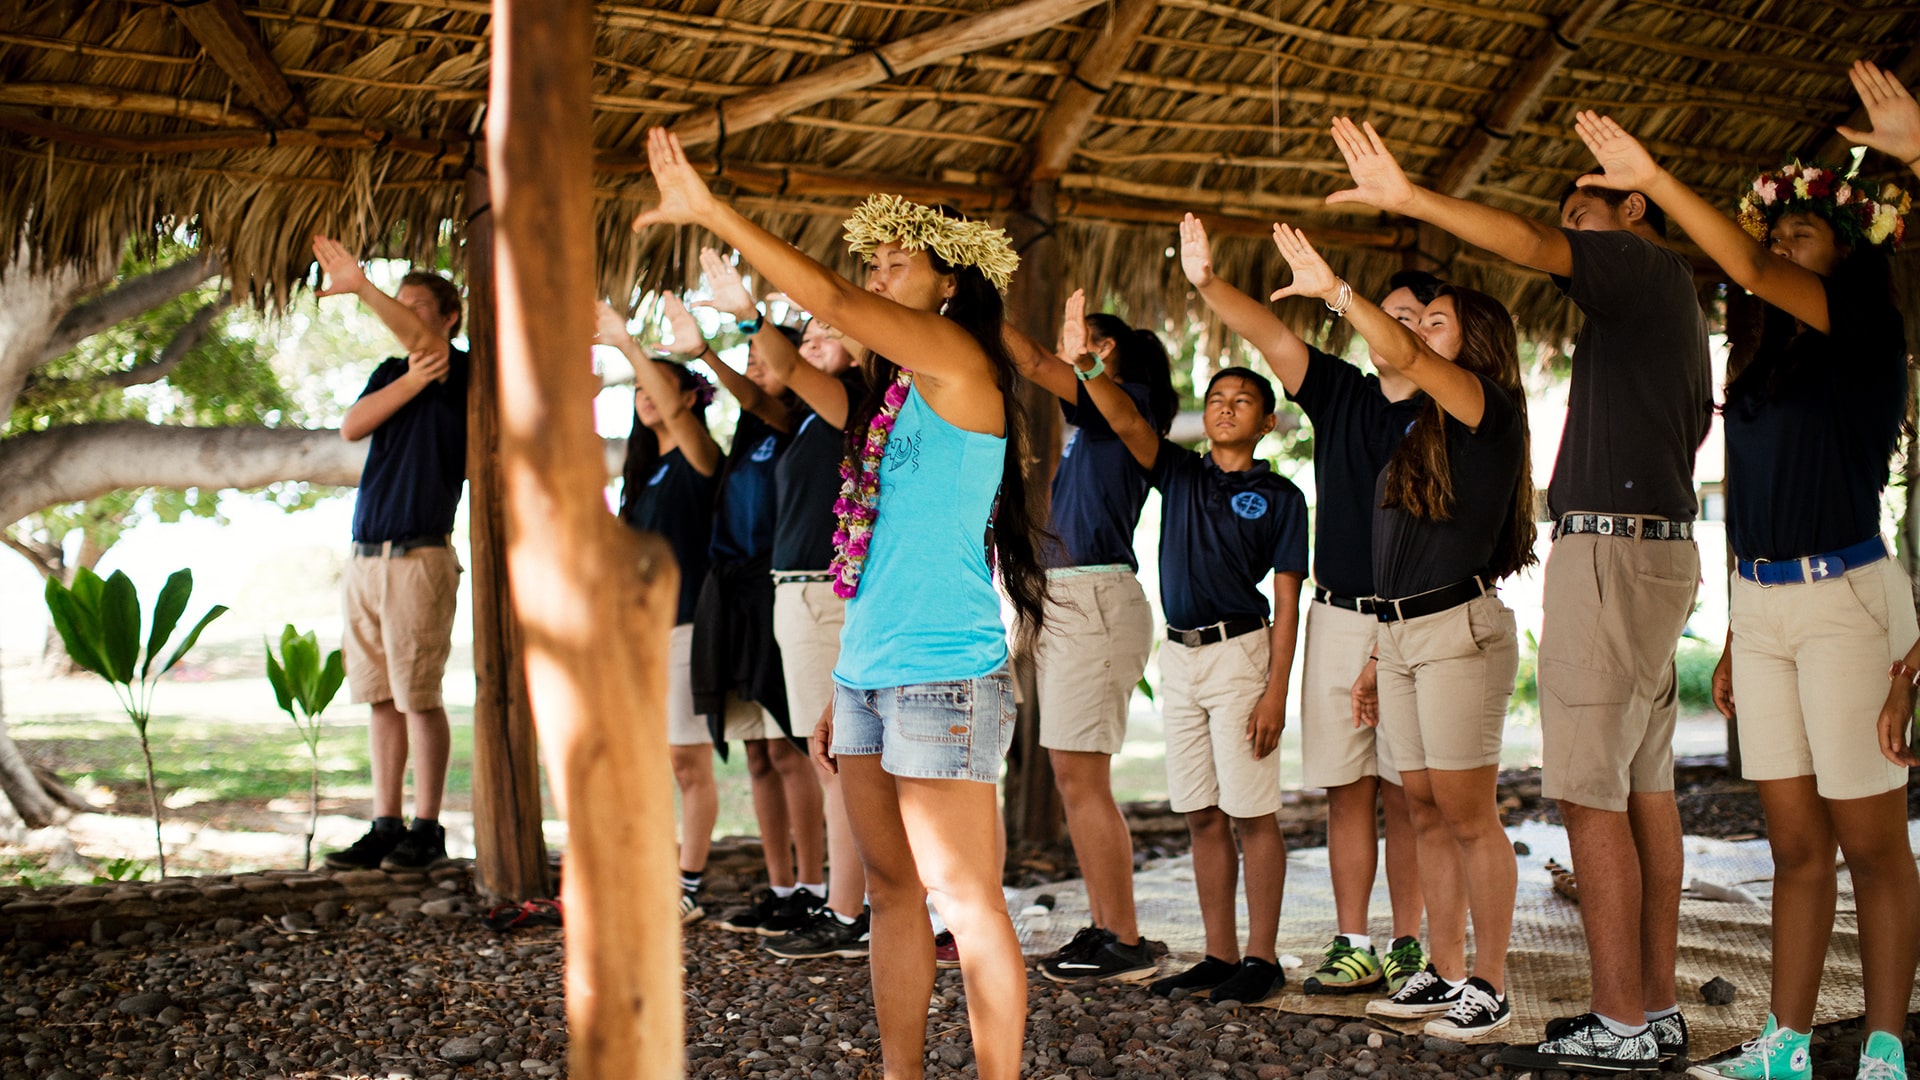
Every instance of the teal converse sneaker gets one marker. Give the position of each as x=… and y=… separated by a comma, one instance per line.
x=1882, y=1058
x=1346, y=969
x=1403, y=961
x=1778, y=1054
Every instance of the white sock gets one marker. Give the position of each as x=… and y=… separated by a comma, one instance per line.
x=1455, y=983
x=783, y=891
x=1662, y=1014
x=1619, y=1028
x=1359, y=941
x=819, y=890
x=843, y=920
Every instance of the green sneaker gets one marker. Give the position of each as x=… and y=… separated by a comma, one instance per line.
x=1882, y=1058
x=1345, y=970
x=1778, y=1054
x=1404, y=960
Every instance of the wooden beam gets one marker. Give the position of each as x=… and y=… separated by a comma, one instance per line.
x=1067, y=119
x=891, y=60
x=1519, y=103
x=78, y=96
x=1828, y=148
x=334, y=137
x=231, y=42
x=595, y=600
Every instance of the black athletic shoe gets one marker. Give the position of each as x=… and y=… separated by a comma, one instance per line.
x=1426, y=994
x=1670, y=1035
x=1108, y=959
x=1085, y=940
x=826, y=936
x=366, y=852
x=1478, y=1013
x=422, y=848
x=1586, y=1044
x=752, y=919
x=795, y=913
x=1204, y=975
x=1253, y=982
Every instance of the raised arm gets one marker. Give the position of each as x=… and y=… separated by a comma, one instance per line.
x=689, y=434
x=1254, y=321
x=1040, y=365
x=744, y=390
x=1773, y=278
x=1121, y=414
x=1892, y=111
x=346, y=278
x=1454, y=388
x=928, y=344
x=1379, y=182
x=367, y=414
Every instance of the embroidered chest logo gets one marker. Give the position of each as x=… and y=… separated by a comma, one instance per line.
x=658, y=475
x=763, y=452
x=903, y=449
x=1067, y=450
x=1250, y=505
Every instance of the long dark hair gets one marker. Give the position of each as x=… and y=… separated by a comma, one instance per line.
x=1420, y=476
x=1140, y=357
x=1016, y=535
x=643, y=446
x=1864, y=271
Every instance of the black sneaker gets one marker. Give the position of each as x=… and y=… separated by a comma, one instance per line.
x=752, y=919
x=1253, y=982
x=1107, y=959
x=1426, y=994
x=1670, y=1035
x=1585, y=1043
x=796, y=912
x=1478, y=1013
x=1085, y=940
x=366, y=852
x=422, y=848
x=1204, y=975
x=827, y=936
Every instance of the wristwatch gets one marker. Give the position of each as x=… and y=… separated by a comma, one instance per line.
x=750, y=327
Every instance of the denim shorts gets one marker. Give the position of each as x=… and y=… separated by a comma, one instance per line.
x=956, y=730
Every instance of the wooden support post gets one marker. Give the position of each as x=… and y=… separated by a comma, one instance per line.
x=1033, y=809
x=1071, y=113
x=511, y=854
x=595, y=601
x=231, y=42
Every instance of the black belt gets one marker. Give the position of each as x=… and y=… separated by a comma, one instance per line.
x=393, y=549
x=1433, y=600
x=1631, y=526
x=810, y=577
x=1362, y=604
x=1220, y=631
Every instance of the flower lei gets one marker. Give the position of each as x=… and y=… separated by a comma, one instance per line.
x=859, y=503
x=1856, y=216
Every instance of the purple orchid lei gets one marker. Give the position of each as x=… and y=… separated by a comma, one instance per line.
x=859, y=503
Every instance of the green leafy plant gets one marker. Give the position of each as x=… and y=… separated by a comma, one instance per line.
x=121, y=870
x=304, y=685
x=99, y=622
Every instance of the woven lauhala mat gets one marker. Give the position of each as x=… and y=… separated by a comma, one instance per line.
x=1547, y=972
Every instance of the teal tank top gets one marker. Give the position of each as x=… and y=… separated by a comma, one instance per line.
x=927, y=610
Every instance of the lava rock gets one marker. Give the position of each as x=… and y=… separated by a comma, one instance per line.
x=1719, y=991
x=143, y=1005
x=461, y=1051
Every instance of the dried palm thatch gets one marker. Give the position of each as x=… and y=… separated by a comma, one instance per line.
x=358, y=118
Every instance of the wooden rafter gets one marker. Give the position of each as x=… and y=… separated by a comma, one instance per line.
x=1071, y=113
x=231, y=42
x=892, y=59
x=1519, y=103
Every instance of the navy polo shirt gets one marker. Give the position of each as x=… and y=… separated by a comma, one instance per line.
x=743, y=523
x=674, y=500
x=1221, y=533
x=807, y=483
x=418, y=461
x=1098, y=490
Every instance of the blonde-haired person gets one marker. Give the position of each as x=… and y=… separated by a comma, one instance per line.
x=923, y=706
x=1820, y=608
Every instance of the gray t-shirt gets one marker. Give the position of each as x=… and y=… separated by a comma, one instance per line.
x=1642, y=396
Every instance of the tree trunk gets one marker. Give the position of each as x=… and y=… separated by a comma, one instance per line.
x=32, y=301
x=29, y=798
x=595, y=601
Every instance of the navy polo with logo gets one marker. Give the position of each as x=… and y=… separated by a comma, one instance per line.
x=743, y=526
x=1221, y=534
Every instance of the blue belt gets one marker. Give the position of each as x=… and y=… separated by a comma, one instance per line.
x=1768, y=572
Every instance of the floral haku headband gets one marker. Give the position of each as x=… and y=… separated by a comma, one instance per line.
x=1856, y=216
x=890, y=219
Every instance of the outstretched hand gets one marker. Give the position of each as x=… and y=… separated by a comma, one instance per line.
x=688, y=341
x=1196, y=255
x=1311, y=274
x=344, y=276
x=1377, y=178
x=1894, y=114
x=1627, y=165
x=609, y=326
x=1073, y=327
x=730, y=293
x=684, y=197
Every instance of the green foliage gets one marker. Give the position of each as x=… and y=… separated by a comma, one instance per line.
x=1693, y=666
x=1526, y=681
x=304, y=685
x=99, y=622
x=121, y=870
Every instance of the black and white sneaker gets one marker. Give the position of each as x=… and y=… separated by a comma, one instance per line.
x=1586, y=1044
x=1108, y=959
x=827, y=936
x=752, y=918
x=1478, y=1013
x=1425, y=994
x=1084, y=940
x=1670, y=1035
x=796, y=912
x=1253, y=982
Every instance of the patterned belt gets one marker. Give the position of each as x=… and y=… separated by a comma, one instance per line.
x=1362, y=604
x=1631, y=526
x=810, y=577
x=1767, y=572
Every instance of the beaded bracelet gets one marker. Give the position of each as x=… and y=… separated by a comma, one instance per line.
x=1902, y=670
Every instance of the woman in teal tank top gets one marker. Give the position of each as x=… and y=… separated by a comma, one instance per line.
x=933, y=503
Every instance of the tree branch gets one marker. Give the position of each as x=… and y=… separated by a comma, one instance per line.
x=45, y=558
x=124, y=301
x=150, y=371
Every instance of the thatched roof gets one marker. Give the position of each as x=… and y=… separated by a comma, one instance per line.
x=358, y=117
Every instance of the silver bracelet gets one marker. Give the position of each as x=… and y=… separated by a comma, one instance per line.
x=1342, y=300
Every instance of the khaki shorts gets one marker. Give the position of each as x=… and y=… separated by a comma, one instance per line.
x=1098, y=633
x=807, y=617
x=683, y=727
x=1445, y=679
x=1813, y=657
x=399, y=616
x=1615, y=608
x=1207, y=696
x=1337, y=752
